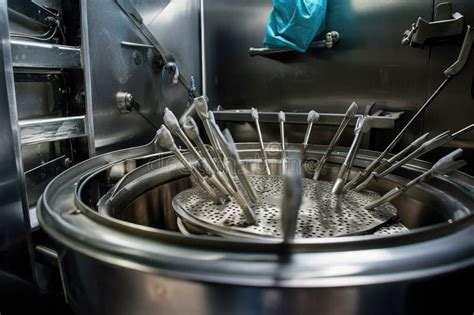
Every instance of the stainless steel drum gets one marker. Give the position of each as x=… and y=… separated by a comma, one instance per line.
x=126, y=252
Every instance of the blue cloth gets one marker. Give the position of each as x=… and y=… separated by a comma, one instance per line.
x=295, y=23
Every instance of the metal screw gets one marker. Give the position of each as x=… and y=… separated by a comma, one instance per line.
x=137, y=57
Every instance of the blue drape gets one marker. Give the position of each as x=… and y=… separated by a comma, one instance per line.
x=295, y=23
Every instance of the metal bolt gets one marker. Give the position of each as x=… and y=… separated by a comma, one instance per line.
x=137, y=57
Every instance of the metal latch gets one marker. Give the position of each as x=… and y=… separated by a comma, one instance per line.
x=445, y=24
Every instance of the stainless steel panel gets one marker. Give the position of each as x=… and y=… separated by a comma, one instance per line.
x=454, y=108
x=14, y=221
x=117, y=290
x=111, y=67
x=385, y=121
x=35, y=99
x=368, y=64
x=38, y=177
x=51, y=129
x=30, y=54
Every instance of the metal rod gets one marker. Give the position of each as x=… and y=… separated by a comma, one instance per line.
x=281, y=120
x=362, y=127
x=165, y=140
x=192, y=131
x=313, y=117
x=203, y=113
x=385, y=164
x=361, y=176
x=350, y=113
x=260, y=140
x=172, y=123
x=424, y=148
x=444, y=165
x=233, y=155
x=236, y=164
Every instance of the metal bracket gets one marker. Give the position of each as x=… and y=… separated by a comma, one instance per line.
x=329, y=42
x=445, y=24
x=129, y=9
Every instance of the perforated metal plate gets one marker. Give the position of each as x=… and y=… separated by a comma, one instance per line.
x=321, y=214
x=394, y=228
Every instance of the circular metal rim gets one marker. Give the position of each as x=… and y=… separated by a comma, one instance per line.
x=70, y=234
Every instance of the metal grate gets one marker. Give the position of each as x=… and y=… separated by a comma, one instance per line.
x=322, y=214
x=394, y=228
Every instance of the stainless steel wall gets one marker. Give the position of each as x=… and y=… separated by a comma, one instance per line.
x=369, y=64
x=455, y=106
x=15, y=267
x=110, y=67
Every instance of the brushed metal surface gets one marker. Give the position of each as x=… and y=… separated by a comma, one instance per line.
x=51, y=129
x=93, y=289
x=368, y=64
x=28, y=54
x=454, y=108
x=15, y=250
x=112, y=67
x=116, y=267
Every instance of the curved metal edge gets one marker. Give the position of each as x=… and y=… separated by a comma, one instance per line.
x=170, y=252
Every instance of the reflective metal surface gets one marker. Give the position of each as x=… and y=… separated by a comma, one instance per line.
x=51, y=129
x=368, y=64
x=454, y=108
x=137, y=248
x=15, y=254
x=113, y=67
x=29, y=54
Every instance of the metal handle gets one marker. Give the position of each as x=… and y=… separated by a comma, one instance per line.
x=329, y=42
x=464, y=54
